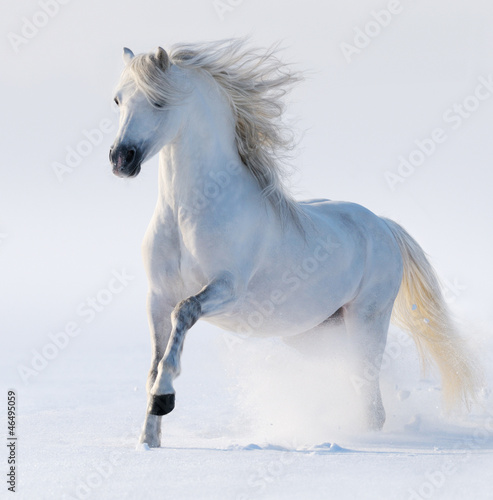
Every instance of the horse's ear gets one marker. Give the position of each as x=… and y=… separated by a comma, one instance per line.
x=162, y=58
x=128, y=55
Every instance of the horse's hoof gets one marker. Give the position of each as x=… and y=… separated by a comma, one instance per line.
x=148, y=443
x=162, y=404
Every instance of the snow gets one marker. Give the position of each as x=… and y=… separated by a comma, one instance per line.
x=254, y=419
x=231, y=437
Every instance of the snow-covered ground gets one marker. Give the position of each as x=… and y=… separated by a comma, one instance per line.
x=254, y=419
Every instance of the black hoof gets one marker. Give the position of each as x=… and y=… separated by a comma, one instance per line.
x=162, y=405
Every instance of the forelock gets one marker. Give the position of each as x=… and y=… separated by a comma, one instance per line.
x=156, y=84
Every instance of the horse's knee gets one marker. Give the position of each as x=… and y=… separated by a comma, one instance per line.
x=186, y=313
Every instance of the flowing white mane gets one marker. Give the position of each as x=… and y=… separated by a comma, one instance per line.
x=255, y=83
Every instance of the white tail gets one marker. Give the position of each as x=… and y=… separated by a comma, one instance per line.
x=420, y=309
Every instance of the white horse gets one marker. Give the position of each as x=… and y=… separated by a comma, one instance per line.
x=229, y=245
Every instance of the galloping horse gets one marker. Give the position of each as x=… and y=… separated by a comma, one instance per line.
x=228, y=244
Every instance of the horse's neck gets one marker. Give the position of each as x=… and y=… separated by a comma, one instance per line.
x=203, y=157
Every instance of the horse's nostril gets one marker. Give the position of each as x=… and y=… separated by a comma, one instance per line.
x=130, y=155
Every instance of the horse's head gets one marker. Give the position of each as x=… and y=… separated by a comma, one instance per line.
x=148, y=121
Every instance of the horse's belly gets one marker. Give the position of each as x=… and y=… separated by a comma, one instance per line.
x=265, y=320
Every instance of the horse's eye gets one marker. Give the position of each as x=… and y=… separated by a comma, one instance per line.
x=116, y=101
x=157, y=105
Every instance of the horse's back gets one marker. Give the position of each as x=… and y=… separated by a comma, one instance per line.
x=322, y=212
x=351, y=218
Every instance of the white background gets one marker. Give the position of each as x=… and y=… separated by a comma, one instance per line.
x=60, y=240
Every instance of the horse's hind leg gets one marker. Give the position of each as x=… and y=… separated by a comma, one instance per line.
x=367, y=328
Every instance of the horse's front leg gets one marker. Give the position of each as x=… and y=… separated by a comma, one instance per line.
x=159, y=311
x=213, y=299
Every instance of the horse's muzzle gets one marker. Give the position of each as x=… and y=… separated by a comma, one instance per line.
x=126, y=161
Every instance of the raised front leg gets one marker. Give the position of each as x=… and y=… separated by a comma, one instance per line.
x=159, y=313
x=214, y=298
